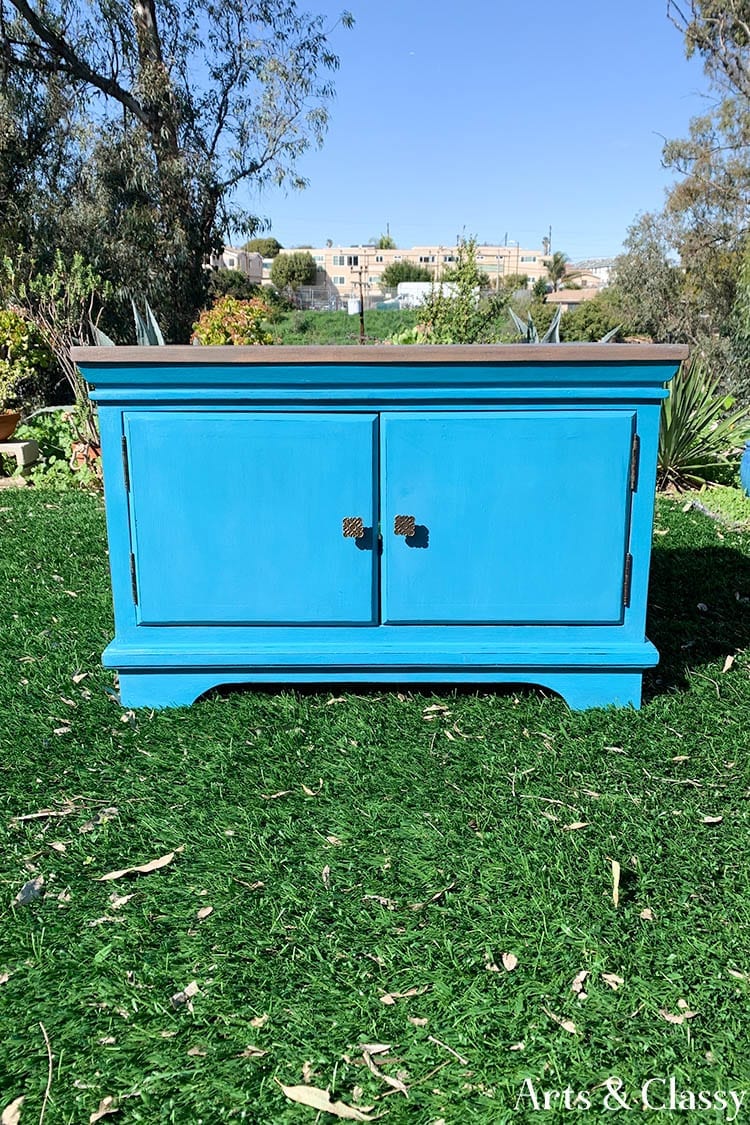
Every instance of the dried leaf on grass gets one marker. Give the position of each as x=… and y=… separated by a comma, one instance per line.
x=578, y=982
x=106, y=1106
x=613, y=980
x=575, y=826
x=251, y=1052
x=565, y=1024
x=116, y=901
x=732, y=972
x=196, y=1053
x=418, y=1021
x=12, y=1113
x=30, y=892
x=615, y=883
x=434, y=898
x=43, y=814
x=391, y=997
x=273, y=796
x=4, y=978
x=102, y=817
x=394, y=1083
x=259, y=1021
x=728, y=663
x=510, y=962
x=712, y=819
x=204, y=912
x=143, y=868
x=326, y=877
x=313, y=792
x=647, y=914
x=670, y=1017
x=185, y=996
x=388, y=903
x=321, y=1100
x=57, y=847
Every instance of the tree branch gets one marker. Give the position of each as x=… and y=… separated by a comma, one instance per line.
x=72, y=63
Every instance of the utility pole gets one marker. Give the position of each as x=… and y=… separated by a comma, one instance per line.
x=362, y=269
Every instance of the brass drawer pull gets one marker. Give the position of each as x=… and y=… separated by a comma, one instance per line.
x=352, y=527
x=404, y=525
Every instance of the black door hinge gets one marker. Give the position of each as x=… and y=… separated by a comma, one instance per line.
x=125, y=468
x=635, y=458
x=628, y=580
x=133, y=582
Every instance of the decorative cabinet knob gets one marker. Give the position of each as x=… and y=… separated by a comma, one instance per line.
x=352, y=527
x=404, y=525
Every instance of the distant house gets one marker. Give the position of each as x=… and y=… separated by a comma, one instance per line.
x=598, y=268
x=232, y=258
x=571, y=299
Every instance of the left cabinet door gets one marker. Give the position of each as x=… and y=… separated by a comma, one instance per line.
x=236, y=518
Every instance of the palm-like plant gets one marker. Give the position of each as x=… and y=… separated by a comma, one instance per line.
x=700, y=434
x=557, y=267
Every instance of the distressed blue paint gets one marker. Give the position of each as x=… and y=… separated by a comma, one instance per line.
x=531, y=510
x=242, y=473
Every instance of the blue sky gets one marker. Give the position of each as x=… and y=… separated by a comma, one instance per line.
x=481, y=117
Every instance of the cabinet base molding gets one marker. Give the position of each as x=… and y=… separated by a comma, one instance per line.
x=580, y=690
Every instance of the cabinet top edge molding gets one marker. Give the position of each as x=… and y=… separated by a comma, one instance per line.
x=383, y=354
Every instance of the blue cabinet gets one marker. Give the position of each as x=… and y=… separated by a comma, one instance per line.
x=395, y=514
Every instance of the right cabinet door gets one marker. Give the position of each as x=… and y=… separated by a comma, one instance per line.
x=520, y=517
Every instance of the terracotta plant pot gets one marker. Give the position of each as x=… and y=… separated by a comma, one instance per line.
x=9, y=419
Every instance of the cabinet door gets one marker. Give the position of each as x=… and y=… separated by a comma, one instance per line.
x=237, y=518
x=521, y=517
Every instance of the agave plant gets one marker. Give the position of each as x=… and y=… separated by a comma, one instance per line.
x=701, y=435
x=529, y=333
x=147, y=331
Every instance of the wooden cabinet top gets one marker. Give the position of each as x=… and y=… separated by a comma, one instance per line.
x=385, y=355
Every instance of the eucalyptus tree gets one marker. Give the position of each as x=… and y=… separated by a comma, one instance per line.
x=180, y=107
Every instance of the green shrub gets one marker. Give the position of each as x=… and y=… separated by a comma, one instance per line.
x=701, y=437
x=24, y=358
x=231, y=321
x=57, y=433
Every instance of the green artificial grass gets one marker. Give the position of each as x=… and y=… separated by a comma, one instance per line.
x=730, y=505
x=313, y=327
x=354, y=846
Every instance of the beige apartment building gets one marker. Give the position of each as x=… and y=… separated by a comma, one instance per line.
x=341, y=268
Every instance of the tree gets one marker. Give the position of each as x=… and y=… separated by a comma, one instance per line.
x=557, y=268
x=511, y=282
x=232, y=283
x=291, y=270
x=700, y=241
x=266, y=247
x=594, y=319
x=459, y=315
x=385, y=242
x=159, y=157
x=650, y=284
x=395, y=272
x=540, y=289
